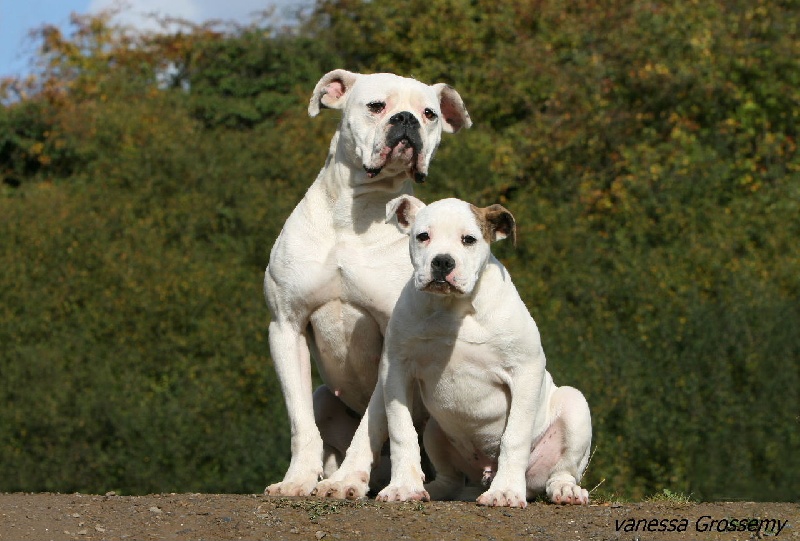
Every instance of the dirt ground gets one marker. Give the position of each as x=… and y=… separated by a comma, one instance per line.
x=214, y=516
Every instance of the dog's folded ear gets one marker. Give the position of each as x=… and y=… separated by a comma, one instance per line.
x=331, y=91
x=498, y=223
x=404, y=209
x=454, y=112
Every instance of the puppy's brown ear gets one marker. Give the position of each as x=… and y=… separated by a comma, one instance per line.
x=497, y=223
x=403, y=209
x=331, y=91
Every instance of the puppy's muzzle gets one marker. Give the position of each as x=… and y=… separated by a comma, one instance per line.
x=441, y=266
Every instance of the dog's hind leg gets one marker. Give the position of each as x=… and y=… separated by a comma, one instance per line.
x=353, y=478
x=337, y=423
x=449, y=481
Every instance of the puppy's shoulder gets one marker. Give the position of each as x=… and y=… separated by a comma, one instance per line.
x=498, y=294
x=496, y=279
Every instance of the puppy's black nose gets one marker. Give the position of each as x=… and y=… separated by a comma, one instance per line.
x=441, y=266
x=404, y=118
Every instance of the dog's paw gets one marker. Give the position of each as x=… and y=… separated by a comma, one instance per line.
x=503, y=498
x=351, y=487
x=295, y=487
x=568, y=493
x=399, y=493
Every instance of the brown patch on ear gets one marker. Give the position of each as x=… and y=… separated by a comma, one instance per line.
x=480, y=217
x=402, y=213
x=496, y=223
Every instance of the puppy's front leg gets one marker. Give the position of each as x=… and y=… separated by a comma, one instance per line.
x=407, y=477
x=508, y=488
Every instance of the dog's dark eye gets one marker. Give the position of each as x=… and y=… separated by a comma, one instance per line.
x=468, y=240
x=376, y=106
x=422, y=237
x=429, y=114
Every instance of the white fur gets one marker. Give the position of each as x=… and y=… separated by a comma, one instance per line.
x=474, y=354
x=337, y=268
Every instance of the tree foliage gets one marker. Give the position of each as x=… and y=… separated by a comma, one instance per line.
x=647, y=149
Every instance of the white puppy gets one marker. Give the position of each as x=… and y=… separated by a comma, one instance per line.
x=337, y=268
x=461, y=337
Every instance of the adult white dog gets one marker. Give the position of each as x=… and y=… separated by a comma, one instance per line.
x=461, y=337
x=337, y=268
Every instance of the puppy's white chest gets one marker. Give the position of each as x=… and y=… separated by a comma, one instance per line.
x=460, y=375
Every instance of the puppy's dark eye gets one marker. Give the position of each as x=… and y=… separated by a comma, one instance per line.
x=429, y=114
x=422, y=237
x=376, y=106
x=468, y=240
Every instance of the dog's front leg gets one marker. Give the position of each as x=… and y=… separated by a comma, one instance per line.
x=407, y=476
x=508, y=488
x=351, y=480
x=293, y=365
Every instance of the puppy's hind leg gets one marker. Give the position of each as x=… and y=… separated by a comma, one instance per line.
x=560, y=454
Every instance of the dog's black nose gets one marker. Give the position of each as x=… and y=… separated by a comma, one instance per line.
x=441, y=266
x=404, y=118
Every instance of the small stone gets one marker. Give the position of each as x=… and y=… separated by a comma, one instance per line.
x=156, y=510
x=294, y=530
x=320, y=534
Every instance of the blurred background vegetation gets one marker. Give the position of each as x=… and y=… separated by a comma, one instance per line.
x=647, y=149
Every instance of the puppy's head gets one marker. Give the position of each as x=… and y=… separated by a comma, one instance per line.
x=449, y=240
x=390, y=123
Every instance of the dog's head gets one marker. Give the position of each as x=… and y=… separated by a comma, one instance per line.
x=390, y=123
x=449, y=240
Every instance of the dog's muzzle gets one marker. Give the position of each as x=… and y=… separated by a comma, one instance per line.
x=404, y=125
x=405, y=131
x=403, y=134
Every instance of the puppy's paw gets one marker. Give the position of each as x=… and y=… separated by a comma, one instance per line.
x=350, y=487
x=568, y=493
x=503, y=498
x=399, y=493
x=293, y=487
